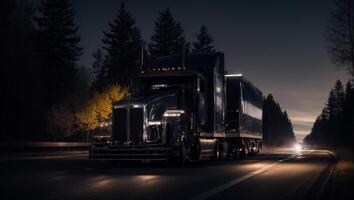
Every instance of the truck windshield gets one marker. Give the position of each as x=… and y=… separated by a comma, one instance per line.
x=167, y=82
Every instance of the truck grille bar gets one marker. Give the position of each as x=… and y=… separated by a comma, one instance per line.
x=128, y=125
x=136, y=122
x=119, y=128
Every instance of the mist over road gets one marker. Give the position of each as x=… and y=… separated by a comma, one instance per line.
x=272, y=174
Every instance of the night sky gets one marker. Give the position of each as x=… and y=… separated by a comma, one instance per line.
x=277, y=44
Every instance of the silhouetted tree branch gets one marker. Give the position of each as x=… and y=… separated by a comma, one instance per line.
x=339, y=35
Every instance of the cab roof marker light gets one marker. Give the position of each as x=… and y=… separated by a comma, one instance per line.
x=233, y=75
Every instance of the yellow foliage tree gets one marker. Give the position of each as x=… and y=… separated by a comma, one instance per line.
x=98, y=108
x=115, y=92
x=105, y=100
x=104, y=106
x=86, y=117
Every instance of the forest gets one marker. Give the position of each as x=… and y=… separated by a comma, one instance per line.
x=48, y=96
x=335, y=125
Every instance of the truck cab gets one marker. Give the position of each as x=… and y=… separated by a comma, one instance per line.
x=142, y=119
x=178, y=113
x=161, y=121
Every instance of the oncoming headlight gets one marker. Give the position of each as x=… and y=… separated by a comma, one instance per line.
x=297, y=147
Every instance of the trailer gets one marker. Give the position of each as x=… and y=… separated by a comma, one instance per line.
x=186, y=108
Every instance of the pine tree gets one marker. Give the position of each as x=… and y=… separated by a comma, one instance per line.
x=98, y=70
x=123, y=51
x=288, y=129
x=332, y=119
x=168, y=38
x=59, y=48
x=204, y=42
x=277, y=127
x=340, y=97
x=335, y=102
x=320, y=130
x=267, y=134
x=347, y=126
x=349, y=98
x=328, y=126
x=314, y=135
x=331, y=106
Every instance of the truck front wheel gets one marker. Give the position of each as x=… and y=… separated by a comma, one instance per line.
x=181, y=158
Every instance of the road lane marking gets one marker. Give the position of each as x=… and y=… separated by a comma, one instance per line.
x=328, y=175
x=45, y=157
x=236, y=181
x=331, y=153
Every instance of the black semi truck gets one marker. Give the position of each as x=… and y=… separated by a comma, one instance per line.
x=187, y=108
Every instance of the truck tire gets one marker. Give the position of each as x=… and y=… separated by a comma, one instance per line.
x=217, y=151
x=244, y=152
x=258, y=147
x=181, y=158
x=195, y=151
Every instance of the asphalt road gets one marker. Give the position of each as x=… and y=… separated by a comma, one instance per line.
x=272, y=174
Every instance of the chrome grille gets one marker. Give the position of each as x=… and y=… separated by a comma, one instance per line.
x=136, y=119
x=119, y=125
x=128, y=125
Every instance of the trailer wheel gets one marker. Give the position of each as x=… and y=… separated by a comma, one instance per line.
x=217, y=151
x=244, y=151
x=258, y=147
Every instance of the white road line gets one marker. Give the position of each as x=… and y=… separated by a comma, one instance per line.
x=236, y=181
x=331, y=153
x=46, y=157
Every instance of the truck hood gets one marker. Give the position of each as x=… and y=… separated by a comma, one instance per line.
x=155, y=102
x=149, y=97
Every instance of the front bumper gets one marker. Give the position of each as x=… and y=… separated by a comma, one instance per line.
x=130, y=153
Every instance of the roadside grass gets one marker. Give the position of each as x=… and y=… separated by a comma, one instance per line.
x=343, y=175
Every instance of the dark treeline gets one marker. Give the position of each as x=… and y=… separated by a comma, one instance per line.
x=122, y=52
x=335, y=125
x=120, y=59
x=277, y=127
x=46, y=94
x=22, y=113
x=59, y=50
x=42, y=84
